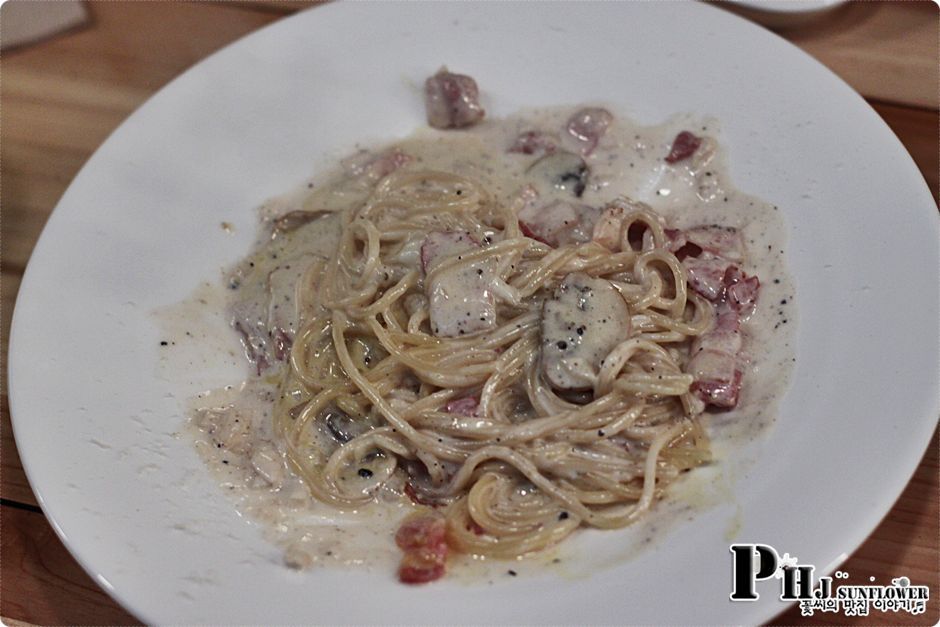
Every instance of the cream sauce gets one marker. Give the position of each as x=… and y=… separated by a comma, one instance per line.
x=231, y=427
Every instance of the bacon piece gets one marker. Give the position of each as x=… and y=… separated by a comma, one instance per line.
x=416, y=568
x=558, y=223
x=466, y=406
x=683, y=146
x=460, y=299
x=715, y=363
x=706, y=274
x=452, y=100
x=709, y=253
x=720, y=393
x=588, y=125
x=423, y=539
x=534, y=143
x=741, y=291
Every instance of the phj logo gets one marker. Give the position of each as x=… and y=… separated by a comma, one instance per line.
x=757, y=562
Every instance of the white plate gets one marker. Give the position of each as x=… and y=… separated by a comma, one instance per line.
x=139, y=228
x=780, y=14
x=789, y=6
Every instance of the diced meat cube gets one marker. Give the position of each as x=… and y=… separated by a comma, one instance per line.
x=460, y=298
x=714, y=362
x=417, y=568
x=558, y=223
x=741, y=290
x=420, y=532
x=721, y=386
x=683, y=146
x=715, y=357
x=423, y=539
x=534, y=143
x=584, y=320
x=452, y=100
x=588, y=125
x=707, y=274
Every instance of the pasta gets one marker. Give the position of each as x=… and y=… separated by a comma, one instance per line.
x=519, y=353
x=534, y=465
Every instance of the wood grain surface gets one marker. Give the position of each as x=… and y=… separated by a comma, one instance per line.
x=61, y=98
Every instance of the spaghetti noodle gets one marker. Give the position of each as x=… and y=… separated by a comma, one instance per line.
x=482, y=328
x=530, y=463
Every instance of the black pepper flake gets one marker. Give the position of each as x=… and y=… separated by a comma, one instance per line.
x=224, y=461
x=776, y=280
x=562, y=345
x=512, y=573
x=600, y=432
x=783, y=302
x=164, y=343
x=579, y=330
x=563, y=516
x=480, y=271
x=365, y=473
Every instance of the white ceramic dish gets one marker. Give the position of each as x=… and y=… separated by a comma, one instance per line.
x=781, y=14
x=95, y=419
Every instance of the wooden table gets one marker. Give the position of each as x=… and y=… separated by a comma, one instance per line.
x=62, y=97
